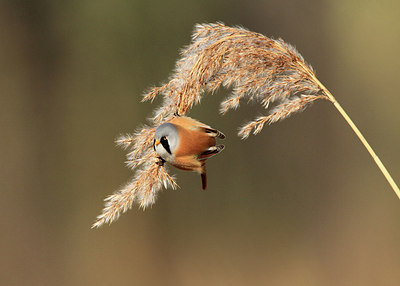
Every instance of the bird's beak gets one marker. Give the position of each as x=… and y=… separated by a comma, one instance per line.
x=156, y=142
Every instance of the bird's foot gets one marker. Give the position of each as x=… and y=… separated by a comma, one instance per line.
x=160, y=161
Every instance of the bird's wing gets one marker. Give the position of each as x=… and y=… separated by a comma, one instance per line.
x=193, y=124
x=213, y=132
x=214, y=150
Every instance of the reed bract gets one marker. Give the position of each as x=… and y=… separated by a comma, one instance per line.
x=258, y=68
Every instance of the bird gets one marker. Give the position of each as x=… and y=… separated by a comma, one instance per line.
x=186, y=144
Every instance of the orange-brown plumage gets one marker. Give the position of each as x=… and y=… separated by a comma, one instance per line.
x=195, y=144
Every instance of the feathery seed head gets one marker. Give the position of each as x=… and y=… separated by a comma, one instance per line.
x=255, y=66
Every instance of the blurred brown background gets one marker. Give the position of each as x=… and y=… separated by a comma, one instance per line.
x=300, y=204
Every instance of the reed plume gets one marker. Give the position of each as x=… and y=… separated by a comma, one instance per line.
x=257, y=68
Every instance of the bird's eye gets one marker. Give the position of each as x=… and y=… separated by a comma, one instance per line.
x=163, y=139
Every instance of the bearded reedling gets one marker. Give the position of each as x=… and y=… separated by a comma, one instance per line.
x=186, y=144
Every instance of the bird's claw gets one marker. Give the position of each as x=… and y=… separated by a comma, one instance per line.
x=160, y=161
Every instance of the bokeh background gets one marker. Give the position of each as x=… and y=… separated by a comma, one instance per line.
x=302, y=203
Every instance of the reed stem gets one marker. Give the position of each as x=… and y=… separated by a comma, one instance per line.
x=378, y=161
x=371, y=151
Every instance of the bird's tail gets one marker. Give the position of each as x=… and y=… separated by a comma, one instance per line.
x=203, y=177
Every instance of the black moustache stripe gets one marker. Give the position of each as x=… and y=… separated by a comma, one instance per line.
x=165, y=144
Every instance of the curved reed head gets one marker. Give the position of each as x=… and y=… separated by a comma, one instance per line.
x=268, y=71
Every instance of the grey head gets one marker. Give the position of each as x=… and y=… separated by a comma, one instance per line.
x=166, y=141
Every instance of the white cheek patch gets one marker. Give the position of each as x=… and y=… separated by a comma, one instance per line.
x=160, y=150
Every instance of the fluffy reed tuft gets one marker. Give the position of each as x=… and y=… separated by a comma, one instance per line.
x=258, y=68
x=148, y=180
